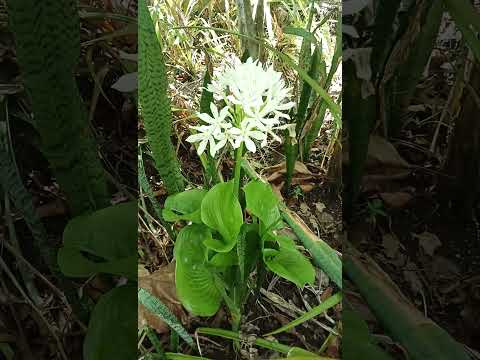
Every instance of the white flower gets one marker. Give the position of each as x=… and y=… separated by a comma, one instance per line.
x=261, y=95
x=207, y=134
x=260, y=92
x=245, y=134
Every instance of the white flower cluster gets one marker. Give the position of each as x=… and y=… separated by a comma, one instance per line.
x=256, y=100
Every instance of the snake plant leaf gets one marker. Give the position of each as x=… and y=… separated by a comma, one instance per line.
x=47, y=37
x=196, y=287
x=222, y=212
x=184, y=206
x=289, y=263
x=112, y=331
x=109, y=234
x=357, y=341
x=248, y=248
x=262, y=202
x=155, y=104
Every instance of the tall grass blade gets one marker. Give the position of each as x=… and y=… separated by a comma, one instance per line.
x=317, y=310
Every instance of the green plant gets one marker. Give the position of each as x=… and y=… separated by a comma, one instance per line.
x=154, y=102
x=233, y=229
x=217, y=252
x=47, y=35
x=106, y=242
x=311, y=109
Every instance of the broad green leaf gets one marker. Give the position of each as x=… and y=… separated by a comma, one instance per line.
x=224, y=259
x=184, y=206
x=262, y=202
x=222, y=212
x=109, y=234
x=323, y=255
x=290, y=264
x=73, y=263
x=195, y=283
x=112, y=331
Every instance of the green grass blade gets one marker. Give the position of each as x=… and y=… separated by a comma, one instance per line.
x=176, y=356
x=290, y=148
x=317, y=310
x=314, y=72
x=155, y=306
x=152, y=336
x=313, y=131
x=232, y=335
x=147, y=189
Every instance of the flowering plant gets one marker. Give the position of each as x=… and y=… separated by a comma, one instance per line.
x=224, y=241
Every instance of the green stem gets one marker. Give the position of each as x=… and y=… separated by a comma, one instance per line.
x=238, y=168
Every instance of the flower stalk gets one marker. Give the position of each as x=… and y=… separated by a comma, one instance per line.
x=238, y=170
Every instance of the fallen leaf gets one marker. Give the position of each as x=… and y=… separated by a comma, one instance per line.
x=53, y=208
x=410, y=275
x=428, y=242
x=325, y=218
x=307, y=187
x=304, y=208
x=382, y=152
x=320, y=207
x=396, y=199
x=391, y=245
x=160, y=284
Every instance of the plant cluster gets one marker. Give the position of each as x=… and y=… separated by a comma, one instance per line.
x=224, y=243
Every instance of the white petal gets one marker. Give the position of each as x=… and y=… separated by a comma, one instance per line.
x=250, y=145
x=219, y=145
x=202, y=146
x=214, y=110
x=224, y=112
x=195, y=137
x=257, y=135
x=213, y=147
x=205, y=117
